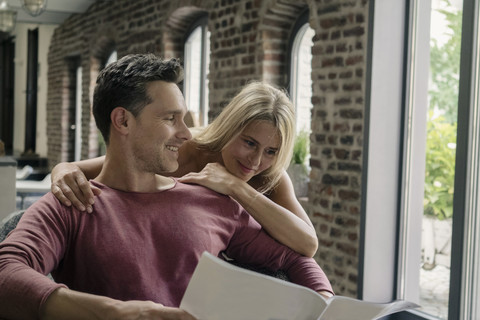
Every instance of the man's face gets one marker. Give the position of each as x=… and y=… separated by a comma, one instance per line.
x=159, y=129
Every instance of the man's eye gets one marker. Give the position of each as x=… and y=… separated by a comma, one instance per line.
x=171, y=118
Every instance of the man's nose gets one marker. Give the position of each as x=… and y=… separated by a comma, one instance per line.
x=183, y=132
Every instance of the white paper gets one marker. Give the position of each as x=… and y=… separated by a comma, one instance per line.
x=344, y=308
x=219, y=290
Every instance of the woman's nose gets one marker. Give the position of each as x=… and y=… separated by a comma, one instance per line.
x=255, y=158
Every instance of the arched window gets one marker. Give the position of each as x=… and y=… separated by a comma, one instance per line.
x=300, y=56
x=300, y=72
x=197, y=60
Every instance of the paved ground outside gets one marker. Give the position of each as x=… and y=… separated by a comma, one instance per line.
x=434, y=290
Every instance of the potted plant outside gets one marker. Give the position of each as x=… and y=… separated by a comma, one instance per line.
x=297, y=170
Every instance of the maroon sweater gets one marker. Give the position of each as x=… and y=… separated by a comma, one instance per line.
x=134, y=246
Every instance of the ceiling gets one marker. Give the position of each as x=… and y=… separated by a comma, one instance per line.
x=57, y=10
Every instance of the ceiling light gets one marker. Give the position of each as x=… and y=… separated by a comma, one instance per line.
x=7, y=17
x=34, y=7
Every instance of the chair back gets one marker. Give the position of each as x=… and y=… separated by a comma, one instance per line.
x=9, y=223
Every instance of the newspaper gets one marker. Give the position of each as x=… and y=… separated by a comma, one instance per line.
x=219, y=290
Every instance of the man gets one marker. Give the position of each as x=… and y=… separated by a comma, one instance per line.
x=133, y=257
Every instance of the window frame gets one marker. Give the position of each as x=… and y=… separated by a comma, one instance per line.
x=382, y=138
x=465, y=260
x=384, y=200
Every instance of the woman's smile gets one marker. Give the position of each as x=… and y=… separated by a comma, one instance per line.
x=245, y=169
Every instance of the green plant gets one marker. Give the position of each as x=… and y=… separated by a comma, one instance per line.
x=445, y=65
x=439, y=168
x=301, y=147
x=442, y=118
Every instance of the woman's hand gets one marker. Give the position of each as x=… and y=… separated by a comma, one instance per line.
x=70, y=186
x=326, y=294
x=213, y=176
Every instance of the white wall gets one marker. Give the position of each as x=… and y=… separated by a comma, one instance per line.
x=383, y=151
x=45, y=32
x=386, y=160
x=8, y=168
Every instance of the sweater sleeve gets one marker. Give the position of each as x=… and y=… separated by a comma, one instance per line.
x=252, y=245
x=31, y=251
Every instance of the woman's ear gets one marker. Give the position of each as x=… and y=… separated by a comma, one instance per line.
x=120, y=118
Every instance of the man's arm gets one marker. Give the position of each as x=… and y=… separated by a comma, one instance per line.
x=67, y=304
x=34, y=249
x=17, y=301
x=31, y=251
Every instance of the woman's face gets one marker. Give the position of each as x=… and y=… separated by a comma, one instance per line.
x=253, y=151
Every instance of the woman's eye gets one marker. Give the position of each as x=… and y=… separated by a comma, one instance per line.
x=250, y=143
x=271, y=152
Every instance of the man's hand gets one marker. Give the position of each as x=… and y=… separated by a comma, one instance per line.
x=146, y=310
x=70, y=186
x=73, y=305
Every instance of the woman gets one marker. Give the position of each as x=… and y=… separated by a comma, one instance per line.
x=243, y=153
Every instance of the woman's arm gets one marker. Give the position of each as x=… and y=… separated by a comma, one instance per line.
x=70, y=182
x=281, y=215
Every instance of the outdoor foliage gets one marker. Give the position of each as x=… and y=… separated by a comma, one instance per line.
x=442, y=119
x=440, y=167
x=445, y=66
x=301, y=147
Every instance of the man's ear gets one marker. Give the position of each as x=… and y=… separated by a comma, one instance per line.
x=120, y=118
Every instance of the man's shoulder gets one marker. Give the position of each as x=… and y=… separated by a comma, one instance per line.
x=47, y=200
x=49, y=205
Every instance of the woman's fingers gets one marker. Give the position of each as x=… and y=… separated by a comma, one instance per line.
x=76, y=191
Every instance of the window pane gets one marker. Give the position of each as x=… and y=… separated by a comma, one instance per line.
x=301, y=77
x=430, y=150
x=301, y=95
x=197, y=59
x=446, y=19
x=78, y=114
x=111, y=58
x=193, y=63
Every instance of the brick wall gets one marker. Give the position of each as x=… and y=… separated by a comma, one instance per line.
x=337, y=131
x=249, y=40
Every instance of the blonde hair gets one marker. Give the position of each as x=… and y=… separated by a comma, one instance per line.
x=257, y=101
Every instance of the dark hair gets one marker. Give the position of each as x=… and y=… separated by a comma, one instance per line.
x=124, y=84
